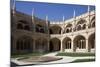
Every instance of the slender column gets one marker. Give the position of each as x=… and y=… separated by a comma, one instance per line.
x=84, y=43
x=68, y=44
x=87, y=47
x=62, y=47
x=81, y=44
x=62, y=31
x=72, y=45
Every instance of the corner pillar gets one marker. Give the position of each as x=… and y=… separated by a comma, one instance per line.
x=62, y=47
x=72, y=46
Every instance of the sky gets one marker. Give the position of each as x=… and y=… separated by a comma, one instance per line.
x=54, y=11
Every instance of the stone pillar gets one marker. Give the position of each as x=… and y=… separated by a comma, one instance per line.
x=62, y=47
x=62, y=30
x=86, y=25
x=72, y=46
x=81, y=44
x=87, y=47
x=69, y=44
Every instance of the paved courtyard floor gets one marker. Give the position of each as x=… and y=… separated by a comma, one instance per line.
x=65, y=59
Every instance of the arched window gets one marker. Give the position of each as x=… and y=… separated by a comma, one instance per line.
x=68, y=28
x=67, y=31
x=81, y=25
x=23, y=25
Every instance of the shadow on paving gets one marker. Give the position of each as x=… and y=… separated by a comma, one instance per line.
x=16, y=65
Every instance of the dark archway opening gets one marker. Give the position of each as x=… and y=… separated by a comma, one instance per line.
x=67, y=43
x=54, y=44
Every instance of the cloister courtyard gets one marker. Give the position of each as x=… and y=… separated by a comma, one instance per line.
x=41, y=41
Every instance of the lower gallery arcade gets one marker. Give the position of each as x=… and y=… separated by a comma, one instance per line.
x=77, y=44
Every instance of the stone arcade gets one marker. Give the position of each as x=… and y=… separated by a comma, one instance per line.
x=32, y=34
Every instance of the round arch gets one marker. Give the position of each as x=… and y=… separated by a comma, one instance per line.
x=68, y=28
x=79, y=42
x=23, y=25
x=54, y=44
x=67, y=43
